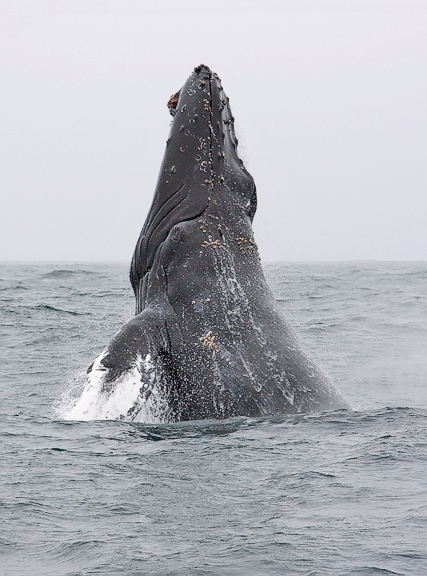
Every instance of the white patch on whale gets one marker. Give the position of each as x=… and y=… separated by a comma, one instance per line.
x=136, y=396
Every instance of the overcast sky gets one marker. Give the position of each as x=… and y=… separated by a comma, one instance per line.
x=330, y=100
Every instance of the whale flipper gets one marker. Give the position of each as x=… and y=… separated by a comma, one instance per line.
x=133, y=373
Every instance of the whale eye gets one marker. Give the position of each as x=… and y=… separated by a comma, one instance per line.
x=177, y=234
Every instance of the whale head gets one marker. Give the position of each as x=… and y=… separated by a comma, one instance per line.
x=201, y=166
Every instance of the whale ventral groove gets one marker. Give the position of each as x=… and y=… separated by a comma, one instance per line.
x=195, y=160
x=207, y=340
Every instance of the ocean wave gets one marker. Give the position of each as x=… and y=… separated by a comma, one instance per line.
x=61, y=310
x=64, y=273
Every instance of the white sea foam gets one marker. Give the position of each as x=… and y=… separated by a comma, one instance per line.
x=137, y=395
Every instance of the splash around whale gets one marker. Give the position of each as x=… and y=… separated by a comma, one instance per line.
x=207, y=340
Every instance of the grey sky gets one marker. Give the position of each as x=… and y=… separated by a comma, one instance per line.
x=330, y=100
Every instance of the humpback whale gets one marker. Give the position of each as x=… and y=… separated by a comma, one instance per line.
x=207, y=340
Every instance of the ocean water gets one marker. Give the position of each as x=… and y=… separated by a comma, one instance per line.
x=339, y=493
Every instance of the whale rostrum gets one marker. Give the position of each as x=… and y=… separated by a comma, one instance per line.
x=207, y=340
